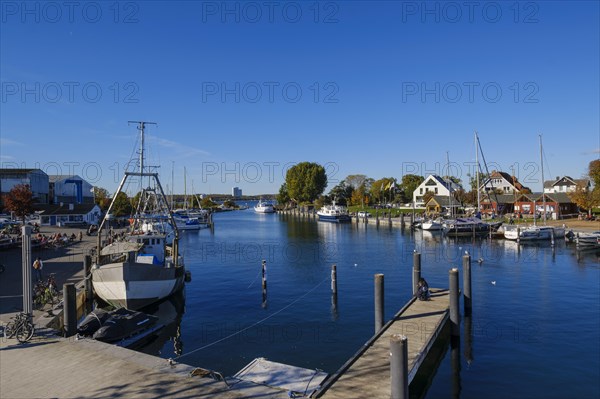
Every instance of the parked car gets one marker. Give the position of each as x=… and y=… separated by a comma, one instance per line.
x=363, y=214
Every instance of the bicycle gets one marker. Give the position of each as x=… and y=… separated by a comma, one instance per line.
x=45, y=292
x=20, y=326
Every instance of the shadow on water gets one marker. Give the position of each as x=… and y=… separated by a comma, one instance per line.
x=428, y=370
x=169, y=312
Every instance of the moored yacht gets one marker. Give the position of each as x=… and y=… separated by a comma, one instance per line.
x=333, y=213
x=264, y=207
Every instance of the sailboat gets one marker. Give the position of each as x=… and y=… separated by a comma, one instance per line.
x=187, y=219
x=536, y=233
x=144, y=265
x=470, y=226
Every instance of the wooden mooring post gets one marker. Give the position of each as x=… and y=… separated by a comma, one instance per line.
x=70, y=309
x=264, y=283
x=416, y=270
x=379, y=302
x=334, y=297
x=399, y=366
x=467, y=283
x=454, y=311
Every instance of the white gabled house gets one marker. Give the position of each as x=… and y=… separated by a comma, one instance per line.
x=502, y=181
x=437, y=185
x=565, y=184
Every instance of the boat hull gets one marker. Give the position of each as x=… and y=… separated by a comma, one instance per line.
x=534, y=233
x=136, y=285
x=334, y=219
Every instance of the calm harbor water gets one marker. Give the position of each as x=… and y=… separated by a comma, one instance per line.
x=535, y=331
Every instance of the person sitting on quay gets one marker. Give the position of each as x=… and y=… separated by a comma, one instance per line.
x=423, y=293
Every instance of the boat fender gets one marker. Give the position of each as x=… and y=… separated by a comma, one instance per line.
x=188, y=276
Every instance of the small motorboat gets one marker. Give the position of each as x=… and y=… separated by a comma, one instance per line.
x=93, y=321
x=112, y=326
x=121, y=325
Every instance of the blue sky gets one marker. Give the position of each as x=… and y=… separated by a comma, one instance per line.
x=243, y=90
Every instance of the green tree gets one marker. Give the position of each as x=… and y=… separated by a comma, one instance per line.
x=283, y=197
x=359, y=196
x=101, y=197
x=208, y=203
x=409, y=184
x=122, y=205
x=19, y=201
x=341, y=193
x=305, y=181
x=586, y=199
x=594, y=172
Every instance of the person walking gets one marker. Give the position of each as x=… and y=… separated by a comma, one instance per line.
x=38, y=265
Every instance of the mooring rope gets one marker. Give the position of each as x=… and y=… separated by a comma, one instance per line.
x=252, y=325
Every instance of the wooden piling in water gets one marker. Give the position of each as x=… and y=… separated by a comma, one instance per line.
x=379, y=302
x=416, y=271
x=334, y=279
x=70, y=309
x=467, y=283
x=454, y=312
x=264, y=283
x=399, y=366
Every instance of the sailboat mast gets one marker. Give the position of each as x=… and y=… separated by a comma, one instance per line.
x=477, y=172
x=542, y=168
x=184, y=188
x=449, y=182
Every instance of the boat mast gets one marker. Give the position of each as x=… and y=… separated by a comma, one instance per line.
x=542, y=168
x=477, y=172
x=449, y=182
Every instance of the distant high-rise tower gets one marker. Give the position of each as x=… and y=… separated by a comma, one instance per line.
x=236, y=192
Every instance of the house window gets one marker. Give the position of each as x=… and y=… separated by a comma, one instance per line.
x=421, y=191
x=436, y=190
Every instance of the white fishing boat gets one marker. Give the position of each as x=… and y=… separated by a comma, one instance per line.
x=264, y=207
x=333, y=213
x=144, y=265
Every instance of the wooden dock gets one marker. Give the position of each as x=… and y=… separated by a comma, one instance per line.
x=367, y=374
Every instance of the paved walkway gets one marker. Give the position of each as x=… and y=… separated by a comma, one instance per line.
x=51, y=367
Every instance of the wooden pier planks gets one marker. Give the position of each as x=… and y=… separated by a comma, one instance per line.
x=368, y=374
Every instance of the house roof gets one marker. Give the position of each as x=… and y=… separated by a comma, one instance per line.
x=561, y=198
x=55, y=178
x=442, y=200
x=503, y=175
x=566, y=181
x=57, y=209
x=449, y=184
x=7, y=171
x=500, y=199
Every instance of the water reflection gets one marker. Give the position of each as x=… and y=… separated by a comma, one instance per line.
x=169, y=313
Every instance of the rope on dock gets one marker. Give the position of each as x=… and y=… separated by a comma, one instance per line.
x=255, y=324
